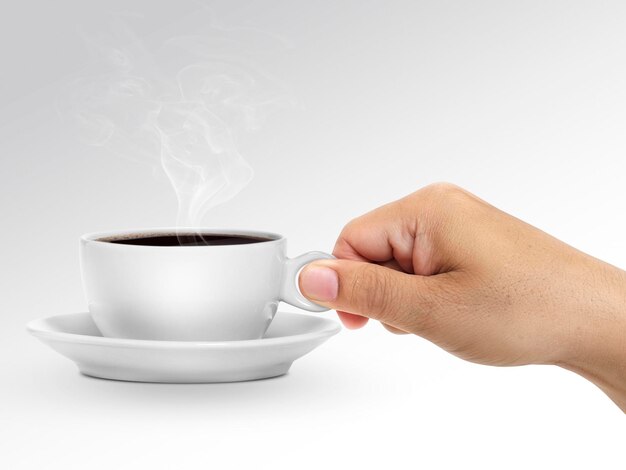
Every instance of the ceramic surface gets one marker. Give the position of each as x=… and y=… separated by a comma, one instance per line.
x=289, y=337
x=190, y=293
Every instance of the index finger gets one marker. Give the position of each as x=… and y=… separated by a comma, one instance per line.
x=385, y=236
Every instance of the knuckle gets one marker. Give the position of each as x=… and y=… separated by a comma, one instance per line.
x=445, y=192
x=445, y=200
x=347, y=240
x=352, y=227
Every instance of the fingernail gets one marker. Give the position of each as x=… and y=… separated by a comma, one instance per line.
x=319, y=283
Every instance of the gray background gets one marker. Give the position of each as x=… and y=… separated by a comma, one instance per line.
x=523, y=103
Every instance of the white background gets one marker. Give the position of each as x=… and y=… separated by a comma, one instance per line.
x=523, y=103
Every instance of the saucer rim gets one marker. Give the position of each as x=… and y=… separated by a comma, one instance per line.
x=36, y=328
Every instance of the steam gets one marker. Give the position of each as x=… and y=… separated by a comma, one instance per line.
x=183, y=103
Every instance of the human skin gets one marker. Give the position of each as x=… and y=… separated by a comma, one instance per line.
x=487, y=287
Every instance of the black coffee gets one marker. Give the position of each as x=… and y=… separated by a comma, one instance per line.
x=186, y=239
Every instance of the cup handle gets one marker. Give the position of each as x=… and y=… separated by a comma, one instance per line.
x=290, y=290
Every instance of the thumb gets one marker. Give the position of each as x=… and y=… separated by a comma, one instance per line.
x=392, y=297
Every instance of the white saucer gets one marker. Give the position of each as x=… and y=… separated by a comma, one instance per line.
x=289, y=337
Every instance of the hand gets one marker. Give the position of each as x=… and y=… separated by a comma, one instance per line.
x=487, y=287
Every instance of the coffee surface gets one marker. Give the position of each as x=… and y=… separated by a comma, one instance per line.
x=186, y=239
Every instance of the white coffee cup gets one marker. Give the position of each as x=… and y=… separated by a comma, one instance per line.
x=189, y=293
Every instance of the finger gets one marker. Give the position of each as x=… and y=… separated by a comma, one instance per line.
x=415, y=231
x=381, y=235
x=351, y=321
x=398, y=299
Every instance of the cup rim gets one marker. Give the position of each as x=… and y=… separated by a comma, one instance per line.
x=99, y=238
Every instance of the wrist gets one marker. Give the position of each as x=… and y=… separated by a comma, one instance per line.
x=597, y=335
